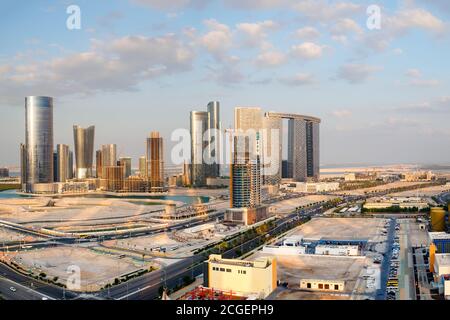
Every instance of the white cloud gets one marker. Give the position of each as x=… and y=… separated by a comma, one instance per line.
x=341, y=113
x=416, y=79
x=270, y=59
x=171, y=4
x=116, y=65
x=307, y=50
x=300, y=79
x=356, y=73
x=307, y=33
x=326, y=11
x=255, y=34
x=218, y=40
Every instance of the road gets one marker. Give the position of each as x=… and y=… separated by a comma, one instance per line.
x=385, y=265
x=406, y=281
x=28, y=287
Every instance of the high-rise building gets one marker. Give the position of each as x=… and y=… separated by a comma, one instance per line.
x=4, y=173
x=99, y=164
x=23, y=166
x=142, y=166
x=62, y=163
x=215, y=138
x=245, y=175
x=126, y=163
x=155, y=162
x=70, y=168
x=109, y=156
x=115, y=178
x=272, y=148
x=303, y=146
x=84, y=151
x=206, y=137
x=38, y=140
x=199, y=169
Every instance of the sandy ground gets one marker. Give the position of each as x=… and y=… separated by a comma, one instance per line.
x=56, y=261
x=174, y=245
x=286, y=206
x=8, y=235
x=72, y=210
x=426, y=192
x=342, y=228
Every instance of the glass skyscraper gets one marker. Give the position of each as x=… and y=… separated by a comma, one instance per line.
x=38, y=140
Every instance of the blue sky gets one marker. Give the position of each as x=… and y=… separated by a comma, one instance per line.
x=137, y=66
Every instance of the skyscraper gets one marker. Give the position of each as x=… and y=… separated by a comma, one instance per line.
x=303, y=146
x=99, y=164
x=155, y=162
x=199, y=169
x=245, y=175
x=206, y=136
x=126, y=163
x=249, y=120
x=142, y=170
x=23, y=166
x=215, y=138
x=272, y=150
x=109, y=156
x=62, y=163
x=38, y=140
x=84, y=151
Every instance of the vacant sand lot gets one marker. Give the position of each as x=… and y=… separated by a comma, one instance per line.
x=96, y=269
x=341, y=229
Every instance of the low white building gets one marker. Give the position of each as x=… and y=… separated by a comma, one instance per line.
x=284, y=250
x=337, y=250
x=322, y=285
x=293, y=241
x=442, y=264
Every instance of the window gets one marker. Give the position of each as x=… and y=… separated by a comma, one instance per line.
x=222, y=269
x=327, y=287
x=228, y=270
x=320, y=286
x=336, y=287
x=308, y=285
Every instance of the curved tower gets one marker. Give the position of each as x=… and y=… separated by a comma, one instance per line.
x=39, y=140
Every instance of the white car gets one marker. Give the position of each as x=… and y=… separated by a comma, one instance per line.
x=13, y=289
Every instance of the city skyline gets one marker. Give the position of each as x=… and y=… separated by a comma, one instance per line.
x=304, y=60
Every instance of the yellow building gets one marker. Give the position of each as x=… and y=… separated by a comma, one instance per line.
x=247, y=278
x=437, y=219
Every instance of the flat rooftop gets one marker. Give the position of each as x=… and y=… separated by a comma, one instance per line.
x=443, y=259
x=439, y=235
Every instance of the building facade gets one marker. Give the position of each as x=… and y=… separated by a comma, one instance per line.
x=126, y=163
x=38, y=141
x=84, y=151
x=155, y=162
x=62, y=163
x=247, y=278
x=199, y=169
x=303, y=163
x=109, y=156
